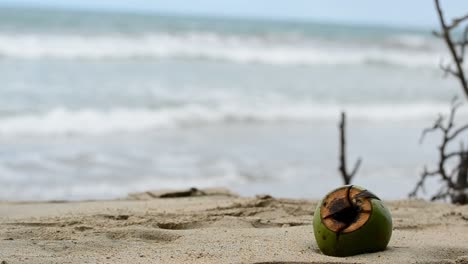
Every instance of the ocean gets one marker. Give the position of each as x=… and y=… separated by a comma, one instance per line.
x=98, y=105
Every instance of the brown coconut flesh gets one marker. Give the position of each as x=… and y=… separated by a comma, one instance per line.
x=346, y=209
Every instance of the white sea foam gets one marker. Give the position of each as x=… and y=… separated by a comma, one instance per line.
x=233, y=48
x=411, y=41
x=92, y=121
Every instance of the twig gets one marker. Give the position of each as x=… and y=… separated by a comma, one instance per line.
x=347, y=177
x=420, y=183
x=437, y=125
x=455, y=181
x=457, y=59
x=448, y=135
x=457, y=21
x=458, y=131
x=462, y=44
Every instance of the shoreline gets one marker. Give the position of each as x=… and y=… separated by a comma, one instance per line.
x=213, y=226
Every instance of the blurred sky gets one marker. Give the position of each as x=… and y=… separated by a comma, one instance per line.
x=415, y=13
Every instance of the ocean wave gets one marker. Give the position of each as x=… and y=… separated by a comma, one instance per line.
x=412, y=42
x=211, y=46
x=91, y=121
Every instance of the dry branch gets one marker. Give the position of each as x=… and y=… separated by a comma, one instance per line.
x=457, y=56
x=455, y=181
x=347, y=177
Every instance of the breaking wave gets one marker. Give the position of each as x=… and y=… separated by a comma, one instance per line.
x=404, y=50
x=92, y=121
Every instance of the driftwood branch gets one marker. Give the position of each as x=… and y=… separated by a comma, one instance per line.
x=455, y=181
x=457, y=55
x=463, y=43
x=347, y=177
x=458, y=131
x=457, y=21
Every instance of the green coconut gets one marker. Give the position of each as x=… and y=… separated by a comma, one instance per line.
x=351, y=220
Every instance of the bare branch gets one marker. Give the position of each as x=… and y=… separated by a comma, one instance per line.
x=457, y=21
x=447, y=69
x=420, y=184
x=437, y=34
x=455, y=105
x=462, y=44
x=437, y=125
x=445, y=33
x=447, y=136
x=431, y=173
x=347, y=177
x=356, y=167
x=456, y=180
x=442, y=194
x=458, y=131
x=452, y=155
x=454, y=172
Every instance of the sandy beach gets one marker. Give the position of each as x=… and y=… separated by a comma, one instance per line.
x=212, y=226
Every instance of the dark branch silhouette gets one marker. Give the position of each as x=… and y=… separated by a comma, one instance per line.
x=456, y=48
x=347, y=177
x=455, y=181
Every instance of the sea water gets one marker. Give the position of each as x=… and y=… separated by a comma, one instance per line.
x=97, y=105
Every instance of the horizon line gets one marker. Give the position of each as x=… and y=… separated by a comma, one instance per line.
x=46, y=7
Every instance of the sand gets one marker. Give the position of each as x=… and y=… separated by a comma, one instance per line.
x=212, y=226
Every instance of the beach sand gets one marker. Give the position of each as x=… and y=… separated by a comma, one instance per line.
x=213, y=226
